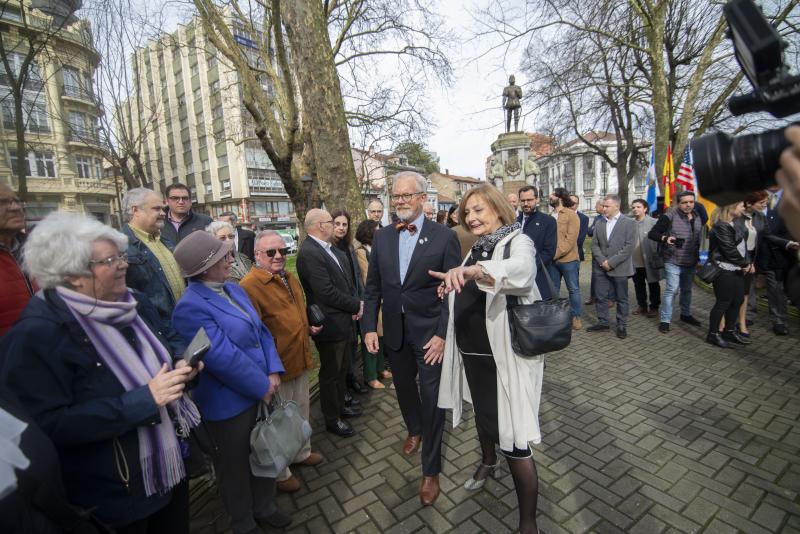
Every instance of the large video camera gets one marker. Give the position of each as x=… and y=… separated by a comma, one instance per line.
x=728, y=166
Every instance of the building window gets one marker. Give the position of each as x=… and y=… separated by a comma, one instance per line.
x=569, y=175
x=588, y=173
x=222, y=161
x=33, y=77
x=198, y=94
x=34, y=113
x=37, y=164
x=195, y=70
x=217, y=112
x=98, y=168
x=214, y=86
x=83, y=165
x=181, y=100
x=226, y=185
x=8, y=12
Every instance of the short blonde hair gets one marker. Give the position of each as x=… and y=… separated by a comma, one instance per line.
x=493, y=198
x=724, y=214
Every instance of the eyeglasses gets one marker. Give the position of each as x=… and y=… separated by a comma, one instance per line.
x=179, y=199
x=374, y=211
x=270, y=252
x=329, y=221
x=7, y=202
x=226, y=237
x=405, y=196
x=111, y=260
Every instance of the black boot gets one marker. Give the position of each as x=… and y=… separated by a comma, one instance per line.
x=732, y=336
x=715, y=338
x=526, y=483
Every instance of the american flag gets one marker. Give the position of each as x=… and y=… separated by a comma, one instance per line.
x=686, y=171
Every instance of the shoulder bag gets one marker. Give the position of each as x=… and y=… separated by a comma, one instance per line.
x=277, y=437
x=709, y=271
x=542, y=326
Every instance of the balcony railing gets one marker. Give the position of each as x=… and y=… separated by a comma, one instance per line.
x=84, y=135
x=77, y=91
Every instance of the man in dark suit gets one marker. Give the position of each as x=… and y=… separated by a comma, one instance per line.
x=584, y=227
x=541, y=228
x=321, y=270
x=612, y=250
x=244, y=240
x=414, y=318
x=774, y=261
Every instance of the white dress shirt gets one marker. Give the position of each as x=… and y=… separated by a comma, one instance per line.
x=610, y=224
x=327, y=246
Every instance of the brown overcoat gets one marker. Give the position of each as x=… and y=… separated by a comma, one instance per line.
x=284, y=314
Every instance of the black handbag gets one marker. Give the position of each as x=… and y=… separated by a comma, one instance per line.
x=542, y=326
x=709, y=271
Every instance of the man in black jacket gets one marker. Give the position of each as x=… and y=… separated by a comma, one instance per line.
x=679, y=230
x=414, y=318
x=774, y=260
x=321, y=268
x=541, y=228
x=181, y=220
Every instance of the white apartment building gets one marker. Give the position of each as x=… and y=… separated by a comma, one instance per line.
x=198, y=125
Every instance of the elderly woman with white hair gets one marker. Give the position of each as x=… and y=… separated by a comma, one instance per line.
x=93, y=364
x=224, y=231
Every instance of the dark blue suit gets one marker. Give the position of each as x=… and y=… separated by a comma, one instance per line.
x=541, y=228
x=412, y=315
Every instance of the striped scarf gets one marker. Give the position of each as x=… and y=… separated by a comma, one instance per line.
x=159, y=450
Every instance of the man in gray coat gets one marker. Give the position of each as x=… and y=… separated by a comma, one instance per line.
x=612, y=247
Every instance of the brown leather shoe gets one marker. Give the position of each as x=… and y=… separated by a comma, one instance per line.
x=290, y=485
x=411, y=444
x=314, y=458
x=589, y=301
x=429, y=490
x=640, y=311
x=653, y=313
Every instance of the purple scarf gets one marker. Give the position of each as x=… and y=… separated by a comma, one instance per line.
x=159, y=450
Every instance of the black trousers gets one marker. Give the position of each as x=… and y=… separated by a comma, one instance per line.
x=729, y=291
x=643, y=287
x=418, y=404
x=334, y=363
x=246, y=497
x=172, y=519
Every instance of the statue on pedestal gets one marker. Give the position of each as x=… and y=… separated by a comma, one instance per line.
x=512, y=95
x=532, y=170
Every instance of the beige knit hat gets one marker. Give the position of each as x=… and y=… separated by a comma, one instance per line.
x=199, y=251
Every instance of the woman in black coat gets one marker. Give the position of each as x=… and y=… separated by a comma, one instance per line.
x=91, y=362
x=727, y=249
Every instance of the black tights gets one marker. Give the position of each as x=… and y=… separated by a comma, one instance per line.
x=729, y=291
x=526, y=480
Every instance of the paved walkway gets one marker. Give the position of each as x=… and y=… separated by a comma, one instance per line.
x=656, y=433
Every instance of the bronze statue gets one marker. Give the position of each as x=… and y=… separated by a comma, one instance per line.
x=511, y=103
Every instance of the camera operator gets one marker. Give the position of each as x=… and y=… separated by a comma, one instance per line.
x=788, y=177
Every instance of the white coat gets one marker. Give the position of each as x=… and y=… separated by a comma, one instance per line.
x=519, y=380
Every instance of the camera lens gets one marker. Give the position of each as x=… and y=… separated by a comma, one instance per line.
x=728, y=166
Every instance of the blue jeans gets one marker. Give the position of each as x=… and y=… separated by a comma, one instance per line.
x=569, y=271
x=677, y=277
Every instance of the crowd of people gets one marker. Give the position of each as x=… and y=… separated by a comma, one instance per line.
x=95, y=323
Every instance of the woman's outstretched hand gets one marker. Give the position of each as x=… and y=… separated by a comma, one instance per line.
x=455, y=278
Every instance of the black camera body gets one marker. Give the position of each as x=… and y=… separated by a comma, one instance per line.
x=727, y=166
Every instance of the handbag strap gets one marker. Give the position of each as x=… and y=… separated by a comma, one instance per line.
x=513, y=300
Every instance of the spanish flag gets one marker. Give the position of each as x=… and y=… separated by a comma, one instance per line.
x=668, y=178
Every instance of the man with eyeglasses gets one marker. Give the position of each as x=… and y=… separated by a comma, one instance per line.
x=375, y=211
x=541, y=228
x=17, y=287
x=278, y=298
x=181, y=220
x=414, y=318
x=321, y=268
x=152, y=268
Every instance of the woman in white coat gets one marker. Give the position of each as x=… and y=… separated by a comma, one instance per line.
x=479, y=364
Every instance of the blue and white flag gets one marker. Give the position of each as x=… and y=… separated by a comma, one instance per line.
x=651, y=180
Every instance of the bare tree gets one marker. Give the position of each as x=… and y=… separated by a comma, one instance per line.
x=120, y=28
x=23, y=46
x=585, y=86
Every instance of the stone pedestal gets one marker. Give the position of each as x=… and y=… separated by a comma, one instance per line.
x=506, y=168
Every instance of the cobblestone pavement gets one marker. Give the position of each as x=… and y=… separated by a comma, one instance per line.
x=656, y=433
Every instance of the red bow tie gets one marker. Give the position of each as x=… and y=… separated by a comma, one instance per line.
x=412, y=228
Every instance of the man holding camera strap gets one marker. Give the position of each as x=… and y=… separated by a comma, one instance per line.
x=679, y=232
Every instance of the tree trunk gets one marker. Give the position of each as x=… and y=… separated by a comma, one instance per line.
x=323, y=107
